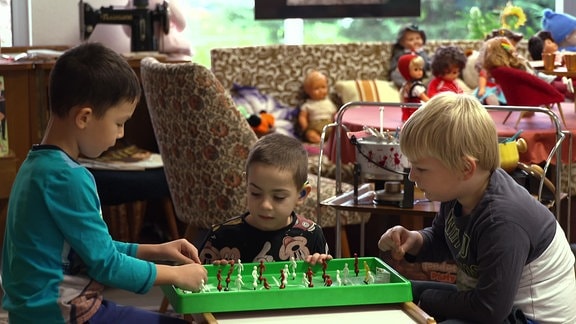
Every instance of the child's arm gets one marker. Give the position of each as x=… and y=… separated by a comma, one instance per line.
x=482, y=80
x=303, y=120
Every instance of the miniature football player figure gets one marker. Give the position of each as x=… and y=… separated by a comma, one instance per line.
x=356, y=269
x=261, y=269
x=338, y=279
x=239, y=282
x=240, y=266
x=283, y=280
x=328, y=281
x=266, y=284
x=309, y=274
x=346, y=272
x=294, y=265
x=369, y=279
x=305, y=280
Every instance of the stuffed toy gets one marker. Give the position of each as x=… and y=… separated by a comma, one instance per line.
x=262, y=112
x=562, y=27
x=261, y=123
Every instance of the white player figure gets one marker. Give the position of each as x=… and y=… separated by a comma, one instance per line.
x=369, y=277
x=255, y=273
x=286, y=270
x=239, y=283
x=240, y=266
x=338, y=279
x=293, y=264
x=204, y=287
x=345, y=273
x=305, y=281
x=255, y=284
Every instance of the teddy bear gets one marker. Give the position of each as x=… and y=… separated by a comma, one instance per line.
x=562, y=26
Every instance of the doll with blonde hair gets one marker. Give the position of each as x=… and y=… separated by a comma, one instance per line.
x=411, y=67
x=499, y=51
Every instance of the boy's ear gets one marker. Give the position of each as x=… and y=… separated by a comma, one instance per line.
x=304, y=193
x=470, y=166
x=82, y=116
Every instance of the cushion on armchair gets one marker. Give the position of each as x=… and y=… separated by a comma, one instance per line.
x=366, y=90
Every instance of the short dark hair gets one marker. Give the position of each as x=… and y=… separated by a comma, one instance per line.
x=536, y=43
x=91, y=75
x=283, y=152
x=445, y=57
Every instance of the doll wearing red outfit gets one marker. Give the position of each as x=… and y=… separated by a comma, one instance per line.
x=447, y=63
x=411, y=67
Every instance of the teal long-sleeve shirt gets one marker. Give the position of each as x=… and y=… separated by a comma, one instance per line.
x=57, y=252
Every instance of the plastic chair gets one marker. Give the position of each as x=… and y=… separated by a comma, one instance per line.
x=524, y=89
x=204, y=142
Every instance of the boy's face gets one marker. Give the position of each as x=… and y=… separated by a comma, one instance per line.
x=271, y=197
x=412, y=40
x=436, y=181
x=101, y=133
x=451, y=74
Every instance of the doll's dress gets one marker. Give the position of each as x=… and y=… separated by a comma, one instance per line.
x=492, y=89
x=438, y=85
x=410, y=93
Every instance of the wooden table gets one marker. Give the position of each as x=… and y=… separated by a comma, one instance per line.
x=389, y=313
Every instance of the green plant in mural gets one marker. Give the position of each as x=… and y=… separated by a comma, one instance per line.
x=481, y=23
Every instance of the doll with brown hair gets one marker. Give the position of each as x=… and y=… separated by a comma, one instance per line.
x=318, y=110
x=447, y=64
x=411, y=39
x=411, y=66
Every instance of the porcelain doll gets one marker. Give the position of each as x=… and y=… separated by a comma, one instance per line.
x=411, y=39
x=447, y=63
x=411, y=67
x=318, y=110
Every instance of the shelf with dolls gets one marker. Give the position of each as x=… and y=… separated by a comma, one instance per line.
x=390, y=191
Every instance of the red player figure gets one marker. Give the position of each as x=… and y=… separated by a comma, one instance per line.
x=309, y=274
x=227, y=281
x=261, y=269
x=219, y=275
x=219, y=286
x=282, y=279
x=356, y=269
x=266, y=285
x=328, y=281
x=324, y=266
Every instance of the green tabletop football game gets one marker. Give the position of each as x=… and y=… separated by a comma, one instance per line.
x=293, y=284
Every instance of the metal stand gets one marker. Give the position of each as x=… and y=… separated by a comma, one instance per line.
x=555, y=152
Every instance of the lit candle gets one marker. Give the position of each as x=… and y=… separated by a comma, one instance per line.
x=382, y=120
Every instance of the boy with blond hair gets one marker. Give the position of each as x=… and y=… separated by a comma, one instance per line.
x=511, y=253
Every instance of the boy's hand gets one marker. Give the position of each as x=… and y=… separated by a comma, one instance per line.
x=190, y=276
x=399, y=241
x=317, y=257
x=180, y=251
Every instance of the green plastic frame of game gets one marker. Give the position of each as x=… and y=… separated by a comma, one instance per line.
x=380, y=285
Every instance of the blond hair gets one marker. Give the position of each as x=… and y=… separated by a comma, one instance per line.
x=450, y=127
x=499, y=51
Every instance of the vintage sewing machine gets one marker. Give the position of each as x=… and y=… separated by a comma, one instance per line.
x=142, y=21
x=379, y=160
